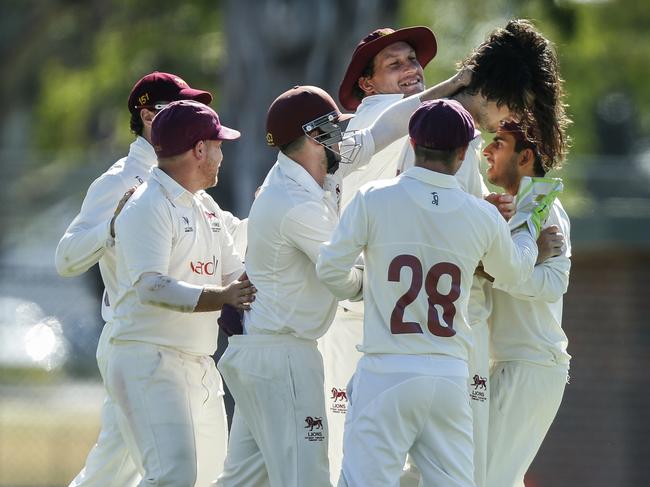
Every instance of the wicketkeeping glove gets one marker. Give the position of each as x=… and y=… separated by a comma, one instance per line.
x=534, y=202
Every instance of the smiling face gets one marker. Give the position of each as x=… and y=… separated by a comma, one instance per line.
x=503, y=162
x=395, y=70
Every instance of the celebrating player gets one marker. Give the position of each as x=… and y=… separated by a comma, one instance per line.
x=176, y=266
x=527, y=344
x=90, y=239
x=514, y=74
x=409, y=391
x=386, y=66
x=275, y=371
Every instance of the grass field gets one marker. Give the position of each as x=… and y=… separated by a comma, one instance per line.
x=46, y=432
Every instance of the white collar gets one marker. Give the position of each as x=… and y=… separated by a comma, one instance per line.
x=432, y=177
x=299, y=174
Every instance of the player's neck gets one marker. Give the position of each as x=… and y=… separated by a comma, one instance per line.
x=437, y=166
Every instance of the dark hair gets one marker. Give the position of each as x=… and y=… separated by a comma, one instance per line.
x=538, y=165
x=518, y=67
x=367, y=72
x=136, y=123
x=423, y=154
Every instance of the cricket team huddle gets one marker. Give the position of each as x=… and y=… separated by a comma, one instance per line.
x=391, y=321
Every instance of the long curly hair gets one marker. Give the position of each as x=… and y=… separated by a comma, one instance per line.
x=517, y=67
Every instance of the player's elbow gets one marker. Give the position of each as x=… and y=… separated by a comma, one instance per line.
x=337, y=282
x=64, y=266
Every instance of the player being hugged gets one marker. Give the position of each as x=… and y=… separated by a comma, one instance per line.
x=409, y=393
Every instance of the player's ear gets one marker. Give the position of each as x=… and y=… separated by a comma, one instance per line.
x=526, y=159
x=412, y=142
x=200, y=149
x=366, y=85
x=147, y=117
x=462, y=151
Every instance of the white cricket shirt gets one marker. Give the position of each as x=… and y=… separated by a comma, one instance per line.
x=289, y=220
x=87, y=240
x=526, y=320
x=384, y=164
x=422, y=237
x=168, y=230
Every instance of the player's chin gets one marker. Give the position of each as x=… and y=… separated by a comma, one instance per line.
x=413, y=89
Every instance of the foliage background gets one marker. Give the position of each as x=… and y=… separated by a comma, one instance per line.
x=68, y=66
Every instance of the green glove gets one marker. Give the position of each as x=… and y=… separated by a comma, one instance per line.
x=534, y=202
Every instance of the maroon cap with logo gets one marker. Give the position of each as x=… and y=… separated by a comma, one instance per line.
x=181, y=124
x=441, y=125
x=421, y=39
x=162, y=88
x=295, y=108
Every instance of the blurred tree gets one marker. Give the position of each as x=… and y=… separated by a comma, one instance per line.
x=291, y=42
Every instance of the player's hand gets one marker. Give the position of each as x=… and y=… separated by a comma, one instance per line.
x=119, y=207
x=504, y=202
x=549, y=243
x=480, y=272
x=239, y=294
x=463, y=77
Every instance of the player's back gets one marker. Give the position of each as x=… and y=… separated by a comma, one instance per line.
x=425, y=239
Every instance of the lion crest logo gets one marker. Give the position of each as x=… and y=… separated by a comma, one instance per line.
x=480, y=382
x=314, y=423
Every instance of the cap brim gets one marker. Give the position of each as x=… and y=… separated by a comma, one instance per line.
x=201, y=96
x=422, y=39
x=228, y=134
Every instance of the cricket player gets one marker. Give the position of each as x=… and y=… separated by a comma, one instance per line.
x=408, y=394
x=515, y=74
x=176, y=267
x=90, y=240
x=386, y=66
x=274, y=370
x=527, y=344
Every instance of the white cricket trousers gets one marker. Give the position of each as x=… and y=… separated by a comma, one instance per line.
x=279, y=432
x=479, y=396
x=525, y=400
x=109, y=463
x=340, y=356
x=395, y=414
x=172, y=413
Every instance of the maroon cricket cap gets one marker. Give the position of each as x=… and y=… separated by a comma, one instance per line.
x=421, y=39
x=160, y=87
x=295, y=108
x=181, y=124
x=441, y=125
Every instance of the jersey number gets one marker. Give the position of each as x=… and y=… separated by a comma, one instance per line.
x=445, y=301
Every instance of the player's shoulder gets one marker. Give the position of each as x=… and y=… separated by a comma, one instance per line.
x=482, y=207
x=380, y=186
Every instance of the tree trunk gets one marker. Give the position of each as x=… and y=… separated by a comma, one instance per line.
x=273, y=45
